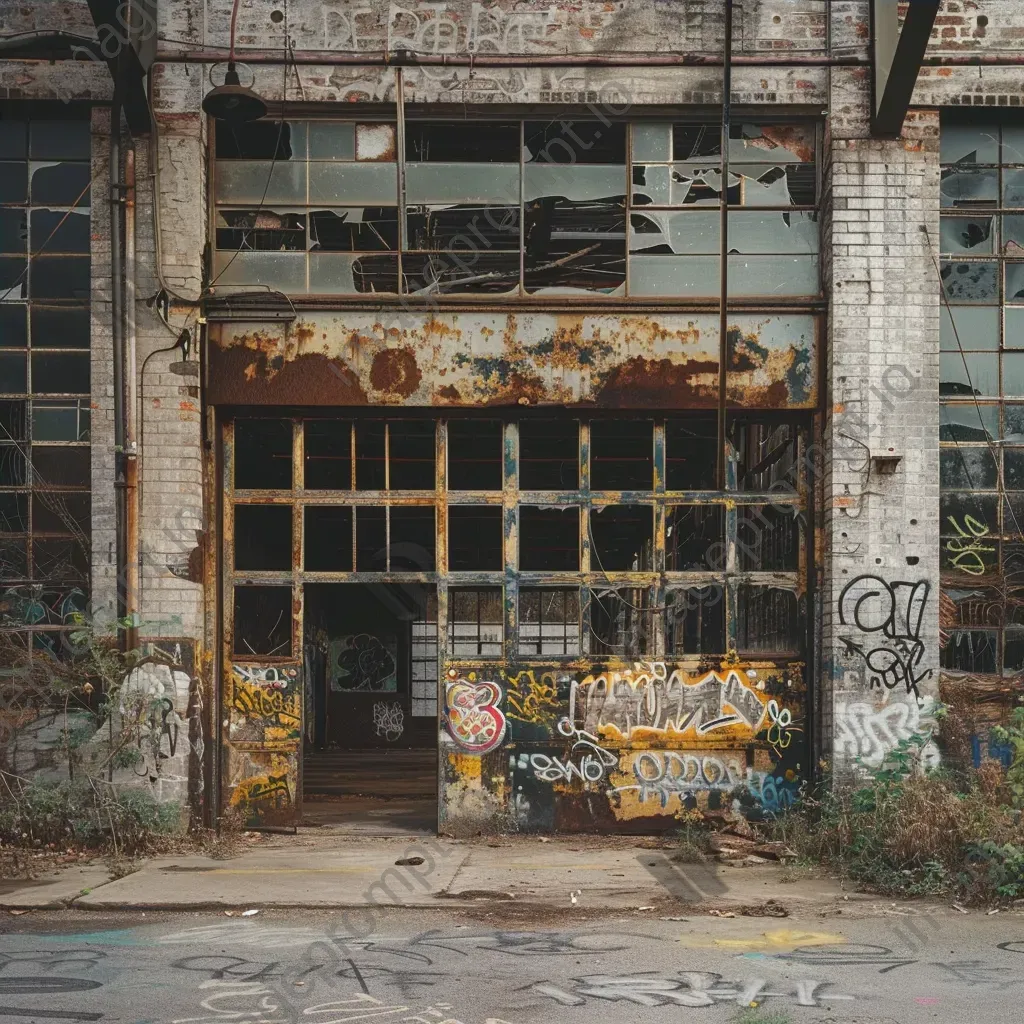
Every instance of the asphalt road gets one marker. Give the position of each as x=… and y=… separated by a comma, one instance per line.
x=511, y=964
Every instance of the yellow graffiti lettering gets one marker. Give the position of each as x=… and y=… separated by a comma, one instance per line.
x=967, y=549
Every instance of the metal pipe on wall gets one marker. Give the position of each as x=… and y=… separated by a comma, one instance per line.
x=130, y=383
x=723, y=250
x=117, y=335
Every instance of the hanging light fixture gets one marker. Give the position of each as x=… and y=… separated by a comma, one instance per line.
x=232, y=101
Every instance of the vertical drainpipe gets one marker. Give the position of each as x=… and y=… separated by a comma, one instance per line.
x=131, y=462
x=117, y=337
x=723, y=204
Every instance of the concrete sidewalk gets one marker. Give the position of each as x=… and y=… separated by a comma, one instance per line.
x=584, y=872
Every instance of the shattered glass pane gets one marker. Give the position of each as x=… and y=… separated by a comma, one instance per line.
x=751, y=143
x=466, y=226
x=1014, y=421
x=13, y=278
x=782, y=232
x=960, y=188
x=697, y=142
x=355, y=229
x=970, y=282
x=1013, y=236
x=459, y=183
x=967, y=469
x=652, y=142
x=283, y=271
x=261, y=140
x=681, y=185
x=650, y=185
x=974, y=235
x=689, y=276
x=657, y=232
x=968, y=327
x=332, y=140
x=1013, y=373
x=478, y=141
x=773, y=275
x=1014, y=282
x=1013, y=144
x=340, y=274
x=574, y=141
x=965, y=144
x=969, y=422
x=259, y=182
x=264, y=229
x=61, y=231
x=353, y=184
x=779, y=185
x=60, y=184
x=979, y=377
x=466, y=271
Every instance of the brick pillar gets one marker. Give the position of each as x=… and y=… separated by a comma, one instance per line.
x=880, y=622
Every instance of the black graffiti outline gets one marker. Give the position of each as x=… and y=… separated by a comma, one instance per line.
x=897, y=659
x=852, y=955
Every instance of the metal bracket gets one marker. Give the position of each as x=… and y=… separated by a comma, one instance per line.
x=896, y=56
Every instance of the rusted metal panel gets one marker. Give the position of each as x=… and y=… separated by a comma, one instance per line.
x=495, y=359
x=618, y=747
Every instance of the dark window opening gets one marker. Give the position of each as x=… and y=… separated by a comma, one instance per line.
x=621, y=538
x=695, y=621
x=475, y=622
x=622, y=622
x=768, y=538
x=549, y=622
x=768, y=619
x=462, y=142
x=474, y=455
x=413, y=538
x=549, y=538
x=263, y=621
x=622, y=455
x=691, y=452
x=371, y=538
x=694, y=538
x=263, y=537
x=765, y=454
x=371, y=448
x=411, y=455
x=970, y=650
x=61, y=466
x=970, y=469
x=549, y=455
x=327, y=541
x=263, y=454
x=475, y=540
x=328, y=455
x=258, y=140
x=572, y=141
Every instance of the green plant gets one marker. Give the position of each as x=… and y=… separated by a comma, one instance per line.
x=757, y=1015
x=1012, y=734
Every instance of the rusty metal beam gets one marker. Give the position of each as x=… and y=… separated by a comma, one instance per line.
x=133, y=55
x=897, y=55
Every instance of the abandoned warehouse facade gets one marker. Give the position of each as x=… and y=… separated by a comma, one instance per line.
x=503, y=415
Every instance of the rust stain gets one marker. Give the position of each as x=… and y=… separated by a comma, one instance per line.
x=395, y=371
x=641, y=381
x=187, y=406
x=238, y=376
x=449, y=393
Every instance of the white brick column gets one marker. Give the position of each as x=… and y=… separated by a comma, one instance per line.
x=880, y=622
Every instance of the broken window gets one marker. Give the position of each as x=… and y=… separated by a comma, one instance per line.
x=621, y=538
x=694, y=537
x=263, y=537
x=621, y=455
x=263, y=454
x=474, y=455
x=327, y=538
x=695, y=620
x=765, y=454
x=621, y=622
x=371, y=538
x=549, y=455
x=412, y=538
x=768, y=620
x=475, y=540
x=327, y=455
x=970, y=650
x=549, y=538
x=768, y=538
x=691, y=451
x=45, y=457
x=475, y=622
x=262, y=621
x=549, y=622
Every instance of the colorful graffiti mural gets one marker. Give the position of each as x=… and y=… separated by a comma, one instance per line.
x=628, y=747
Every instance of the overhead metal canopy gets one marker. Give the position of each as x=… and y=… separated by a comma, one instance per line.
x=897, y=56
x=127, y=34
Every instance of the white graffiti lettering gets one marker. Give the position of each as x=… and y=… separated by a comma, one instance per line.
x=871, y=733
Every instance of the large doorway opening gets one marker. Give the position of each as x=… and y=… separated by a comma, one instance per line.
x=370, y=757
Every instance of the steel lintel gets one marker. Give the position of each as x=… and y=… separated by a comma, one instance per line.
x=897, y=56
